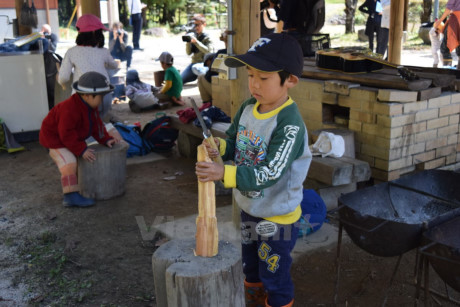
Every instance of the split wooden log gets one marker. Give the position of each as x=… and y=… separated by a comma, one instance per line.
x=184, y=280
x=207, y=237
x=105, y=177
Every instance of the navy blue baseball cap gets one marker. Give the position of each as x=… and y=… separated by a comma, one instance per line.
x=272, y=53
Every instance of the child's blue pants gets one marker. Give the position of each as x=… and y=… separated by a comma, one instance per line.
x=266, y=255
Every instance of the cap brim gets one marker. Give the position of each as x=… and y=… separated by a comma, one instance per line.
x=102, y=92
x=249, y=59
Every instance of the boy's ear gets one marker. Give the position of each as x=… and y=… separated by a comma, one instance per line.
x=292, y=81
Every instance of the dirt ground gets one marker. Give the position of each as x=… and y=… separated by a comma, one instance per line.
x=57, y=256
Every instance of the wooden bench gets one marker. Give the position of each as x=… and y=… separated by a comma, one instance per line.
x=330, y=177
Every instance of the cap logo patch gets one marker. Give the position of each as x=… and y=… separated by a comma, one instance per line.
x=258, y=43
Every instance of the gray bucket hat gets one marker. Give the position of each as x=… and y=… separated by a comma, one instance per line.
x=93, y=83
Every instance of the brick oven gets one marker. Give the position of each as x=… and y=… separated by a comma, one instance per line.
x=395, y=131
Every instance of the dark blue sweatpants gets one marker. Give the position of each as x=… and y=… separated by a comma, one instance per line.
x=266, y=255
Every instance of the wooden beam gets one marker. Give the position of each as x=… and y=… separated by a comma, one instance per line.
x=396, y=31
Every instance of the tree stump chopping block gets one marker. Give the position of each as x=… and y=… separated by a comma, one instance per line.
x=183, y=279
x=104, y=178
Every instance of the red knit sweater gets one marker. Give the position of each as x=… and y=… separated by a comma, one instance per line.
x=70, y=123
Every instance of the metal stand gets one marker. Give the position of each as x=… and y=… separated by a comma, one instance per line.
x=337, y=263
x=423, y=268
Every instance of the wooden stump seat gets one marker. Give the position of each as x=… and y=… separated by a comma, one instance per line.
x=183, y=279
x=104, y=178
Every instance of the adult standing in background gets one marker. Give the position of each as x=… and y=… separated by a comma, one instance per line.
x=135, y=8
x=374, y=9
x=382, y=39
x=453, y=26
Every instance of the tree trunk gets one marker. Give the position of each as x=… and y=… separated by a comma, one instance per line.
x=350, y=9
x=426, y=14
x=183, y=279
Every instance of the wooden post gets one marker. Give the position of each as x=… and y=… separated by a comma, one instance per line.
x=396, y=31
x=105, y=177
x=246, y=25
x=91, y=7
x=207, y=237
x=183, y=280
x=47, y=8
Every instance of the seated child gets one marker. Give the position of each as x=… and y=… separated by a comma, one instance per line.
x=67, y=126
x=141, y=95
x=172, y=88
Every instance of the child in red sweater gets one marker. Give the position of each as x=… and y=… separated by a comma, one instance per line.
x=67, y=126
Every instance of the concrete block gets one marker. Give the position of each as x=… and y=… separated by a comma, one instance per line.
x=415, y=106
x=443, y=100
x=426, y=115
x=452, y=129
x=425, y=136
x=432, y=164
x=449, y=110
x=349, y=102
x=331, y=195
x=395, y=121
x=425, y=156
x=388, y=109
x=394, y=164
x=445, y=151
x=396, y=95
x=382, y=175
x=339, y=87
x=436, y=143
x=363, y=117
x=437, y=122
x=429, y=93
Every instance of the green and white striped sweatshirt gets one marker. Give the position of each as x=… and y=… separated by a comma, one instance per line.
x=271, y=160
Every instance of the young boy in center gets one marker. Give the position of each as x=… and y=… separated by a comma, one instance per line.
x=268, y=142
x=67, y=126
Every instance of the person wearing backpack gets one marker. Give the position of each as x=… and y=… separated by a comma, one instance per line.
x=67, y=126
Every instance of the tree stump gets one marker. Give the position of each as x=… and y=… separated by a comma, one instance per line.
x=182, y=279
x=348, y=137
x=105, y=177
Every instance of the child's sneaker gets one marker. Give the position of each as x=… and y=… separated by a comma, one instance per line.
x=74, y=199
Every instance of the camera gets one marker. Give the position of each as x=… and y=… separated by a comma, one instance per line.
x=186, y=38
x=119, y=32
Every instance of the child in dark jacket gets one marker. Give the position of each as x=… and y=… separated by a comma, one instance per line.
x=67, y=126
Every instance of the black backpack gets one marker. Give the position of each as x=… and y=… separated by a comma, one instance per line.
x=158, y=134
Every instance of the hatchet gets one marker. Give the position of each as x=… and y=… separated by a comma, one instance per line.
x=206, y=132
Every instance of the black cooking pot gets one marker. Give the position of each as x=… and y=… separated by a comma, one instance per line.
x=388, y=219
x=443, y=251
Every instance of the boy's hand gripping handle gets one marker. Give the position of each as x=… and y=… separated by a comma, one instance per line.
x=206, y=132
